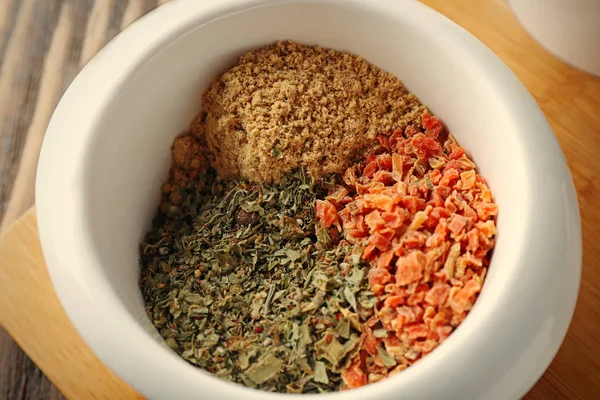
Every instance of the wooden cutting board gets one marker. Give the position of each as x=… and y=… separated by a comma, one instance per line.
x=31, y=313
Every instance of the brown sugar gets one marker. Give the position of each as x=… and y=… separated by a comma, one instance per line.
x=289, y=105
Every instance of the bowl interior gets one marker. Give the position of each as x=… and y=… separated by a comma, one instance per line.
x=127, y=156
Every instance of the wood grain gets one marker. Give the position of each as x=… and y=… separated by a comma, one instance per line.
x=44, y=43
x=57, y=347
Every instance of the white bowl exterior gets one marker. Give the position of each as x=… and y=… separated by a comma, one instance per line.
x=107, y=151
x=570, y=29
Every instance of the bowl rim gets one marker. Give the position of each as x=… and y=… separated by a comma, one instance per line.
x=168, y=23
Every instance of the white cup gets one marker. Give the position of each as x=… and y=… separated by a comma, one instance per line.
x=570, y=29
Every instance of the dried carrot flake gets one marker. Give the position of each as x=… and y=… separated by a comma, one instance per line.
x=380, y=201
x=468, y=179
x=353, y=376
x=374, y=220
x=410, y=268
x=438, y=294
x=379, y=276
x=379, y=241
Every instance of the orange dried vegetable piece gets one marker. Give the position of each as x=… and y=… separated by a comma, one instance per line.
x=420, y=218
x=425, y=146
x=450, y=206
x=416, y=331
x=442, y=227
x=397, y=247
x=434, y=176
x=414, y=239
x=457, y=223
x=384, y=161
x=469, y=212
x=353, y=376
x=369, y=252
x=370, y=157
x=470, y=259
x=457, y=319
x=379, y=241
x=428, y=315
x=385, y=259
x=384, y=177
x=435, y=240
x=462, y=300
x=433, y=126
x=413, y=204
x=457, y=152
x=485, y=210
x=374, y=221
x=352, y=235
x=375, y=187
x=443, y=317
x=370, y=169
x=326, y=213
x=485, y=244
x=487, y=229
x=360, y=224
x=393, y=301
x=438, y=294
x=392, y=219
x=387, y=233
x=443, y=191
x=438, y=213
x=486, y=194
x=395, y=137
x=394, y=345
x=450, y=176
x=398, y=369
x=452, y=164
x=410, y=268
x=413, y=190
x=386, y=315
x=415, y=299
x=465, y=163
x=369, y=341
x=397, y=166
x=443, y=332
x=473, y=238
x=384, y=141
x=425, y=346
x=436, y=200
x=391, y=288
x=338, y=195
x=406, y=315
x=468, y=179
x=380, y=201
x=378, y=276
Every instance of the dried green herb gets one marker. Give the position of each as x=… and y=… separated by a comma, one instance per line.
x=239, y=280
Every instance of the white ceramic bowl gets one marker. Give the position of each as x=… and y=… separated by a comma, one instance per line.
x=107, y=151
x=570, y=29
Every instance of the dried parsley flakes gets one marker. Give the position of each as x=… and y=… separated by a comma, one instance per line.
x=239, y=281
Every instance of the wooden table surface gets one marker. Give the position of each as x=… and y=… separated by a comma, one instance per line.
x=44, y=43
